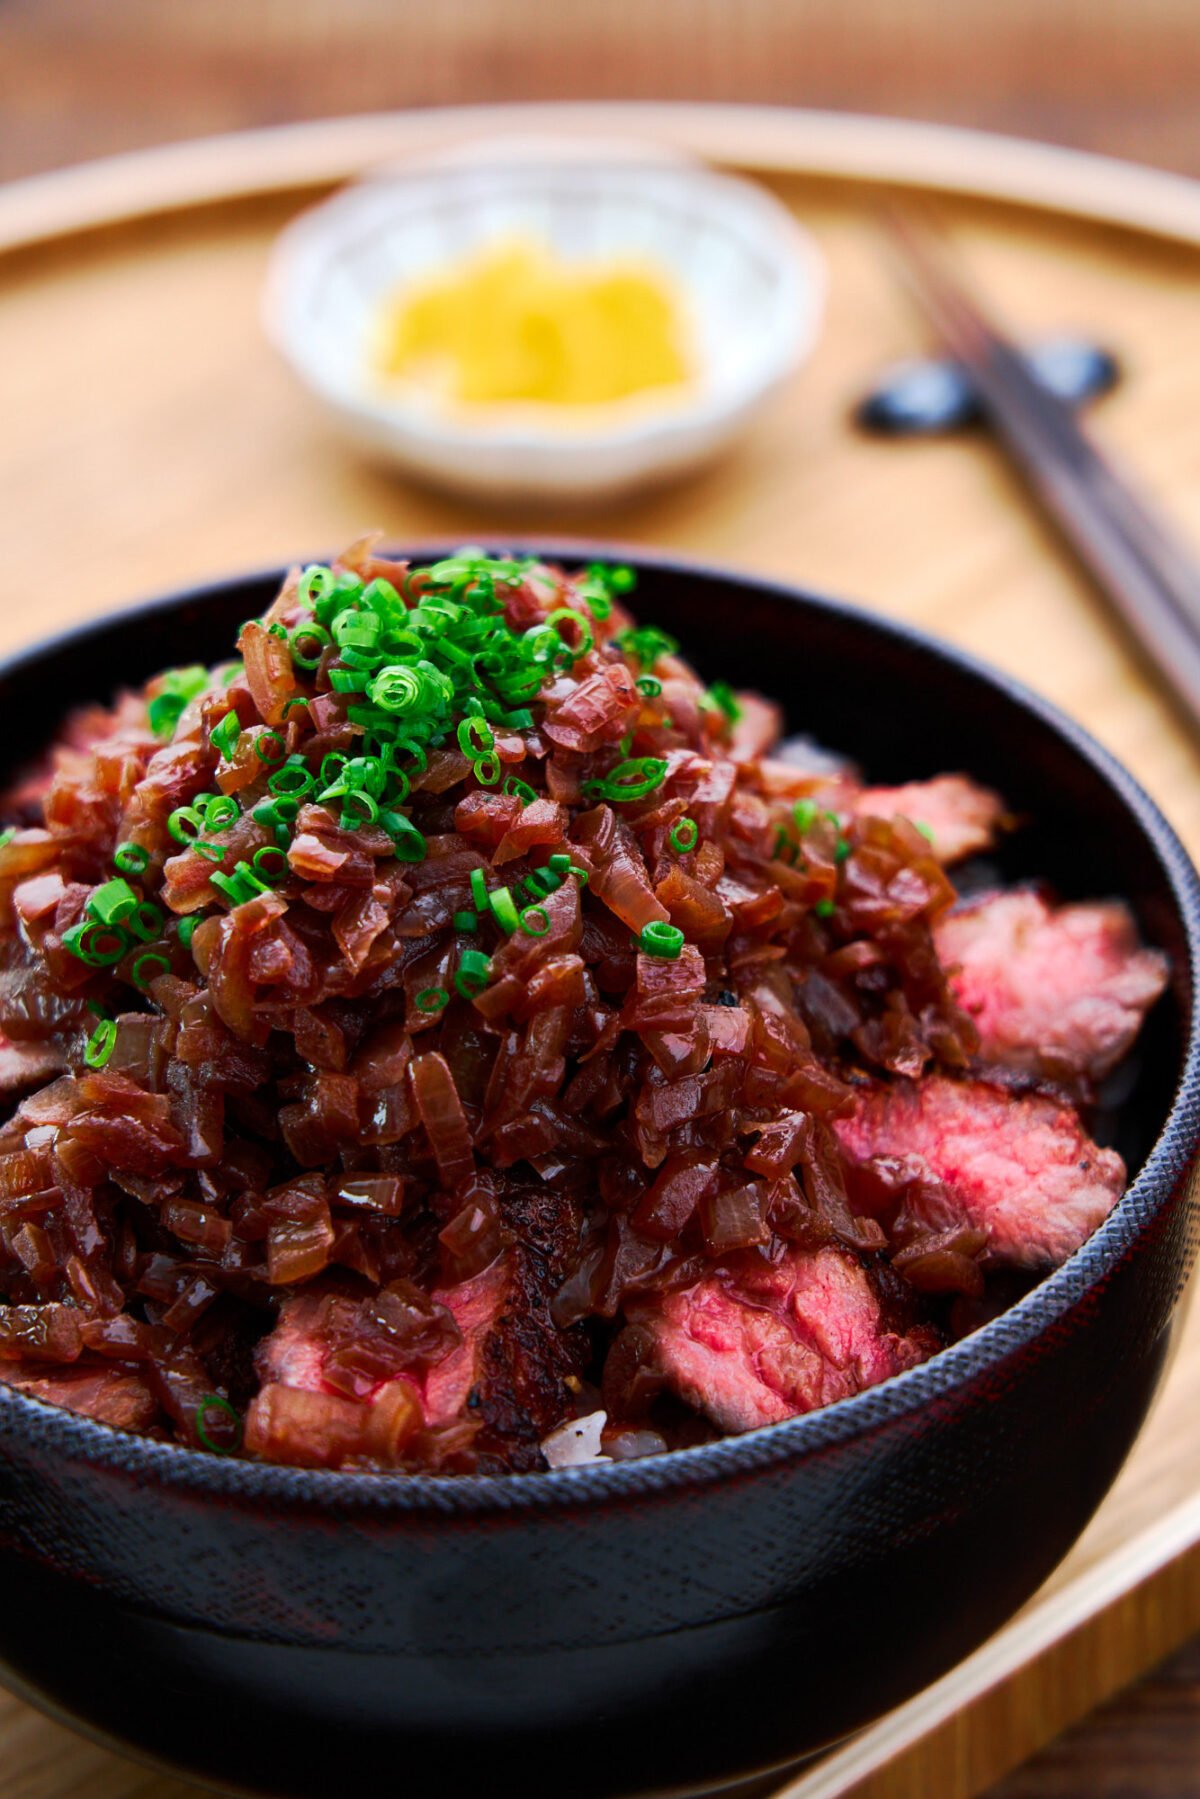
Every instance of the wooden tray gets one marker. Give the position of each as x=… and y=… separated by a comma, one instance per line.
x=152, y=439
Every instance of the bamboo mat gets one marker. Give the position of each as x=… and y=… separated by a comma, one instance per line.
x=153, y=440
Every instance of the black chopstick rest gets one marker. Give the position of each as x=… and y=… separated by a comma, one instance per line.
x=930, y=397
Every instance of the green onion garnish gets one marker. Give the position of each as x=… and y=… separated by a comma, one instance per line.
x=504, y=909
x=432, y=999
x=535, y=920
x=131, y=858
x=112, y=903
x=466, y=921
x=805, y=814
x=629, y=780
x=663, y=940
x=646, y=643
x=225, y=736
x=270, y=737
x=137, y=974
x=479, y=892
x=99, y=945
x=179, y=685
x=685, y=836
x=519, y=789
x=721, y=698
x=474, y=972
x=100, y=1044
x=824, y=908
x=214, y=1402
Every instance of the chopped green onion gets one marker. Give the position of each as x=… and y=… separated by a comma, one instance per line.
x=313, y=634
x=297, y=699
x=721, y=698
x=479, y=892
x=145, y=921
x=359, y=808
x=685, y=836
x=646, y=643
x=487, y=769
x=407, y=840
x=7, y=835
x=630, y=780
x=130, y=858
x=663, y=940
x=316, y=583
x=841, y=849
x=475, y=736
x=293, y=779
x=113, y=903
x=824, y=908
x=805, y=814
x=543, y=881
x=100, y=1044
x=179, y=686
x=647, y=685
x=224, y=737
x=212, y=852
x=99, y=945
x=184, y=816
x=213, y=1401
x=474, y=972
x=140, y=979
x=397, y=688
x=925, y=830
x=538, y=914
x=259, y=863
x=432, y=999
x=466, y=921
x=220, y=812
x=504, y=909
x=583, y=635
x=521, y=789
x=185, y=930
x=272, y=737
x=242, y=885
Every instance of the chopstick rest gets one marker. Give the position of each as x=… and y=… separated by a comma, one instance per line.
x=929, y=397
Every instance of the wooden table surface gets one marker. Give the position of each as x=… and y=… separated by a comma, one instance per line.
x=83, y=80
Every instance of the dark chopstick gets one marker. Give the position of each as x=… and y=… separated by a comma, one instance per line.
x=1149, y=578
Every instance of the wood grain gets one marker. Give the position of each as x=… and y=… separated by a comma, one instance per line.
x=86, y=80
x=153, y=440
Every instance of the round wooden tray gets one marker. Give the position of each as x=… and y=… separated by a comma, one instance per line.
x=154, y=440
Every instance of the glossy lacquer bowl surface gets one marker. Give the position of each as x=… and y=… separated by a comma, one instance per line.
x=677, y=1622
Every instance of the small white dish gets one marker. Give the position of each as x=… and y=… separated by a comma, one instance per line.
x=750, y=279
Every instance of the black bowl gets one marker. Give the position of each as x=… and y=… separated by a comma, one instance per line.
x=675, y=1622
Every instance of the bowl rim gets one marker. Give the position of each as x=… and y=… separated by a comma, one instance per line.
x=308, y=243
x=770, y=1447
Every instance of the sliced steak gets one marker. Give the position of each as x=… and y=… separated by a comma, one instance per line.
x=1057, y=991
x=115, y=1396
x=767, y=1343
x=1022, y=1169
x=507, y=1372
x=959, y=818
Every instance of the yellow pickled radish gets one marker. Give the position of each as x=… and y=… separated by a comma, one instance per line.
x=515, y=323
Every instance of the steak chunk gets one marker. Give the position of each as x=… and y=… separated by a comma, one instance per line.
x=506, y=1374
x=1057, y=991
x=959, y=818
x=1022, y=1169
x=755, y=1347
x=115, y=1396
